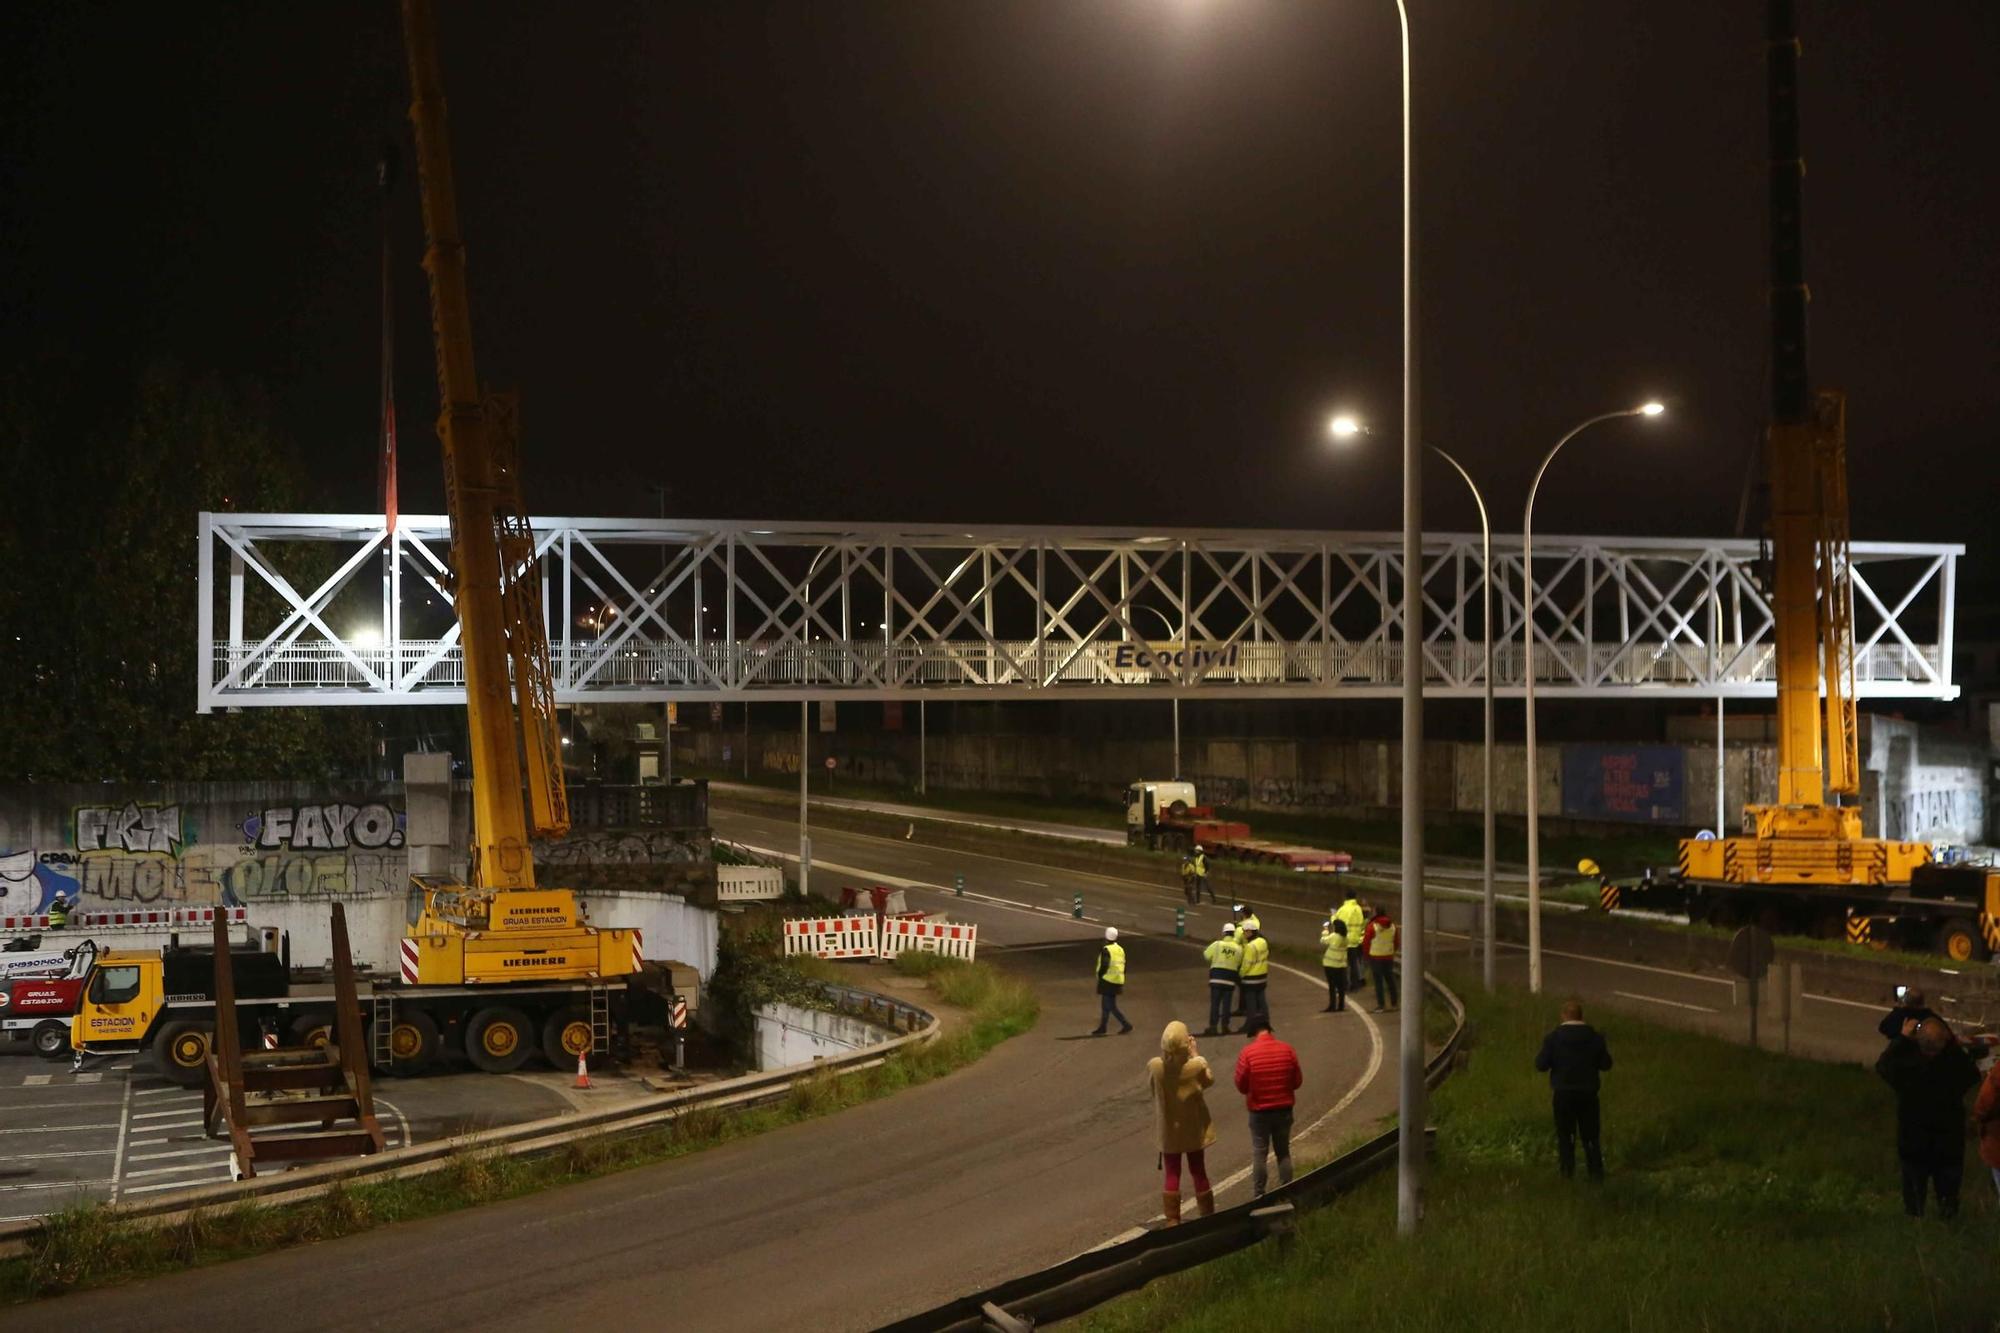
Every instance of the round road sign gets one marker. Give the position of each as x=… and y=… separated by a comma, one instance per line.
x=831, y=763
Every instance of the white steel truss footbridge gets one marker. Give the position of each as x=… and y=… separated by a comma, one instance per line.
x=331, y=609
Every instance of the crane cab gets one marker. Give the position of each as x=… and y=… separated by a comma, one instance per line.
x=459, y=935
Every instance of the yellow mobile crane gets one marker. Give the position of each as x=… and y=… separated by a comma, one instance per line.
x=1803, y=864
x=499, y=926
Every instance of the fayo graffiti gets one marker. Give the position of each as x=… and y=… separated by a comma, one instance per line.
x=332, y=827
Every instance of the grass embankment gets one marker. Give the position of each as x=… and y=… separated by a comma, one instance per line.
x=1746, y=1191
x=91, y=1246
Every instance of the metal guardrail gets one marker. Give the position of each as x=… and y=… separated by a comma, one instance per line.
x=1069, y=1288
x=528, y=1138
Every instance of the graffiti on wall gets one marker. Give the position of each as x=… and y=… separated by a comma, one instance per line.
x=138, y=855
x=1953, y=814
x=325, y=827
x=639, y=848
x=129, y=828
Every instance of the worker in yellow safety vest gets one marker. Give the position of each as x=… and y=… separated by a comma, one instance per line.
x=1334, y=947
x=1256, y=973
x=1110, y=981
x=1246, y=921
x=1225, y=969
x=1194, y=876
x=1355, y=917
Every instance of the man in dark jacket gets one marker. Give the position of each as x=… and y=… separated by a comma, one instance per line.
x=1573, y=1055
x=1909, y=1005
x=1931, y=1074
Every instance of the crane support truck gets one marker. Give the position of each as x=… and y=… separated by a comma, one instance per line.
x=1803, y=864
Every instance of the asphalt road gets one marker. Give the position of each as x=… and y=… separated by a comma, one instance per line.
x=1823, y=1027
x=1040, y=1150
x=114, y=1131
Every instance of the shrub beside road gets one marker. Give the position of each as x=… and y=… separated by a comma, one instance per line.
x=1746, y=1191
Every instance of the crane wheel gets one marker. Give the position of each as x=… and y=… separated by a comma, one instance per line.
x=51, y=1040
x=1958, y=940
x=499, y=1040
x=181, y=1051
x=313, y=1030
x=565, y=1035
x=413, y=1043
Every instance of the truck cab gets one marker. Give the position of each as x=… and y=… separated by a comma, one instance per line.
x=163, y=1001
x=1148, y=805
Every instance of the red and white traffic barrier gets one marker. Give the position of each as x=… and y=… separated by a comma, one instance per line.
x=951, y=939
x=833, y=937
x=409, y=957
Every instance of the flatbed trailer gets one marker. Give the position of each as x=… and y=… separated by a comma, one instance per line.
x=1163, y=817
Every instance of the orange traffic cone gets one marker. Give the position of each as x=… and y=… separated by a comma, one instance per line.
x=582, y=1070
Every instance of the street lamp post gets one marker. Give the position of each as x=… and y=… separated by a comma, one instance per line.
x=805, y=712
x=1528, y=674
x=1168, y=626
x=1486, y=670
x=1345, y=427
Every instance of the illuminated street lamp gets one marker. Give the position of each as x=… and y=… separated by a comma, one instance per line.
x=1651, y=409
x=1168, y=626
x=1345, y=427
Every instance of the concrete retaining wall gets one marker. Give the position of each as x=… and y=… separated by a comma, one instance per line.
x=790, y=1035
x=287, y=850
x=1919, y=782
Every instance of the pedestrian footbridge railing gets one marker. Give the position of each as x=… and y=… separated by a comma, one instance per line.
x=324, y=610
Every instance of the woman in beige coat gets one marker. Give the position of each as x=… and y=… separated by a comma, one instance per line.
x=1178, y=1075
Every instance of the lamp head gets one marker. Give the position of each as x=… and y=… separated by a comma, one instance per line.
x=1343, y=427
x=1652, y=409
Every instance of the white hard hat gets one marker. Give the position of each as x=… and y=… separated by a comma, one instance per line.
x=1229, y=929
x=1197, y=846
x=1110, y=933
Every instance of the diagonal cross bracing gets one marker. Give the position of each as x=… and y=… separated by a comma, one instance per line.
x=780, y=611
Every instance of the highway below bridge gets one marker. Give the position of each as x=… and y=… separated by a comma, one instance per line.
x=1037, y=1152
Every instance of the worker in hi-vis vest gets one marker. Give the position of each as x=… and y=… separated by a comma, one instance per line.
x=1110, y=980
x=1256, y=973
x=1225, y=969
x=1333, y=959
x=1356, y=918
x=1246, y=921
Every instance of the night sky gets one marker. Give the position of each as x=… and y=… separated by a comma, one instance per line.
x=1096, y=261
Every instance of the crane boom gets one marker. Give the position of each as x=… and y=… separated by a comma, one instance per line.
x=497, y=927
x=495, y=585
x=1803, y=839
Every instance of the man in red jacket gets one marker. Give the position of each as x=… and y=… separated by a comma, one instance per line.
x=1267, y=1074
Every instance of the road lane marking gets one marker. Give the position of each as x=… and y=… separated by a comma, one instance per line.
x=75, y=1152
x=124, y=1127
x=1654, y=999
x=1852, y=1004
x=154, y=1092
x=1033, y=882
x=53, y=1185
x=59, y=1106
x=55, y=1129
x=177, y=1184
x=156, y=1115
x=183, y=1152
